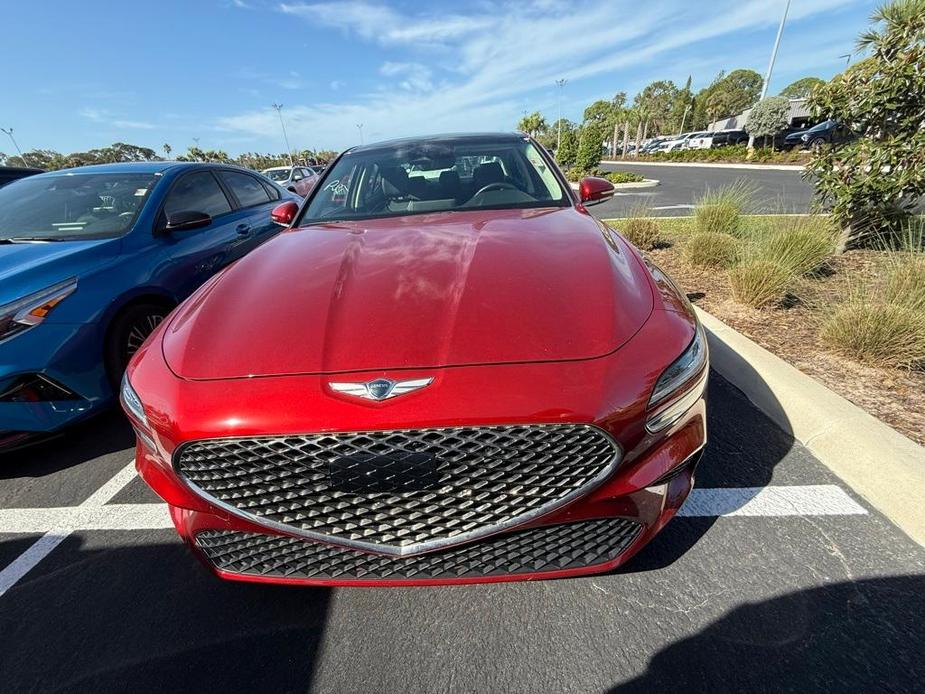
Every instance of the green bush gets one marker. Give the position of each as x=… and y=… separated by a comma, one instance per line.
x=759, y=283
x=622, y=177
x=711, y=249
x=641, y=232
x=881, y=333
x=800, y=244
x=590, y=147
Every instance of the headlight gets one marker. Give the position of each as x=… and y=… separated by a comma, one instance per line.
x=136, y=411
x=674, y=379
x=804, y=137
x=22, y=314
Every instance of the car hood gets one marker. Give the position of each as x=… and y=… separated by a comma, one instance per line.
x=424, y=291
x=28, y=267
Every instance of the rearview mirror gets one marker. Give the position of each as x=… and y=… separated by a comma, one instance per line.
x=188, y=219
x=285, y=213
x=593, y=190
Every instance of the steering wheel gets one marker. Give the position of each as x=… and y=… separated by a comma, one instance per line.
x=497, y=185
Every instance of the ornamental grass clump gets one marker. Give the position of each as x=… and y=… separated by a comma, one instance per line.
x=881, y=333
x=905, y=285
x=642, y=232
x=759, y=283
x=720, y=211
x=712, y=250
x=801, y=244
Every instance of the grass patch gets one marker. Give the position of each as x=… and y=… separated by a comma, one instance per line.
x=905, y=284
x=882, y=333
x=642, y=232
x=759, y=283
x=711, y=249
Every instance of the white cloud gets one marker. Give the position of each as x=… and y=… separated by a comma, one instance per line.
x=475, y=71
x=104, y=117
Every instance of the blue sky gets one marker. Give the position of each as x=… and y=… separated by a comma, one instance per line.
x=85, y=74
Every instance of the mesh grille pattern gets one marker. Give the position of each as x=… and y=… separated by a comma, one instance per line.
x=536, y=550
x=398, y=489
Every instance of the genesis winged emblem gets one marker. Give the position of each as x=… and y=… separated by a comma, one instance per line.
x=381, y=388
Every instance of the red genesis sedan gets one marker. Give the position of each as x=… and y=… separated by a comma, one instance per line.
x=444, y=371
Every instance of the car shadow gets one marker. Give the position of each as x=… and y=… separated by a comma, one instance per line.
x=103, y=434
x=864, y=636
x=149, y=618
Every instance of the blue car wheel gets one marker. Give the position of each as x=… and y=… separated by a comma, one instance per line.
x=126, y=335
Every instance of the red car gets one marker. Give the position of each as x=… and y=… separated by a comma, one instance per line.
x=445, y=371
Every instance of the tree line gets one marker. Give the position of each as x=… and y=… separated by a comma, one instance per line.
x=50, y=160
x=661, y=108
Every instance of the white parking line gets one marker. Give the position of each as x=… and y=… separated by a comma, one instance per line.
x=95, y=514
x=59, y=531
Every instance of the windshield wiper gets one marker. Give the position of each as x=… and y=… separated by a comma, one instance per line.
x=30, y=239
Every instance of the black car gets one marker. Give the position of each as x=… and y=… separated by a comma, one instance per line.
x=729, y=137
x=8, y=174
x=826, y=133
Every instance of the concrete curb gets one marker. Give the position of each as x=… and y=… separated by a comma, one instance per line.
x=708, y=165
x=879, y=463
x=647, y=183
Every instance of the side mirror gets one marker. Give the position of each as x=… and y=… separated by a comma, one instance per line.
x=188, y=219
x=284, y=214
x=593, y=190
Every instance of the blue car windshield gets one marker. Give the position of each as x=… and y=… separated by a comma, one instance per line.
x=65, y=207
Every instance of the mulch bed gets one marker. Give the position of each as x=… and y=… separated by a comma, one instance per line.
x=894, y=396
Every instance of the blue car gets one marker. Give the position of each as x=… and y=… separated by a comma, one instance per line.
x=92, y=259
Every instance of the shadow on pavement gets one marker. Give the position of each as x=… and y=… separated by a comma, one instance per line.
x=149, y=618
x=865, y=635
x=100, y=435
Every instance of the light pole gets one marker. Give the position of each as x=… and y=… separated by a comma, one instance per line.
x=279, y=112
x=683, y=119
x=360, y=128
x=560, y=84
x=9, y=133
x=767, y=77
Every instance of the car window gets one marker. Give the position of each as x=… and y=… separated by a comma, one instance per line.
x=442, y=176
x=272, y=192
x=247, y=189
x=297, y=175
x=197, y=192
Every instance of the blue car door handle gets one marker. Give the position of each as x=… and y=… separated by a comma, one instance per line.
x=243, y=229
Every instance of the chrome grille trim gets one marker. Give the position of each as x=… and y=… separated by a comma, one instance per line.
x=336, y=501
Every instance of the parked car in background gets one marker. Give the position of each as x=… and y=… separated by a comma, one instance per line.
x=701, y=141
x=296, y=179
x=458, y=377
x=318, y=168
x=92, y=259
x=826, y=133
x=725, y=138
x=8, y=174
x=790, y=138
x=677, y=143
x=650, y=146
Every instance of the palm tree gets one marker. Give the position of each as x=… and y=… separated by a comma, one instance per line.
x=167, y=150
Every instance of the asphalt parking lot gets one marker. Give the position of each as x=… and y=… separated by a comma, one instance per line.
x=776, y=578
x=775, y=191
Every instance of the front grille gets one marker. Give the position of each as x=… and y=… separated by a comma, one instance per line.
x=537, y=550
x=400, y=492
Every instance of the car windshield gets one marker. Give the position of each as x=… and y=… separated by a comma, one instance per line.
x=824, y=125
x=277, y=174
x=436, y=176
x=72, y=206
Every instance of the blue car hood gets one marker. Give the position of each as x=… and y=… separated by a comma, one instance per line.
x=30, y=267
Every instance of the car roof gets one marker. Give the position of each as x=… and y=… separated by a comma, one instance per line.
x=444, y=138
x=141, y=167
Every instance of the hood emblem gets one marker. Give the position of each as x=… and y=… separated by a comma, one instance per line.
x=381, y=388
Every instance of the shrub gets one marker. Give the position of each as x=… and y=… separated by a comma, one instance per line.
x=590, y=147
x=641, y=232
x=882, y=333
x=759, y=283
x=711, y=249
x=906, y=283
x=720, y=211
x=768, y=117
x=622, y=177
x=800, y=244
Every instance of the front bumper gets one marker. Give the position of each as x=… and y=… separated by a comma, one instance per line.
x=71, y=356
